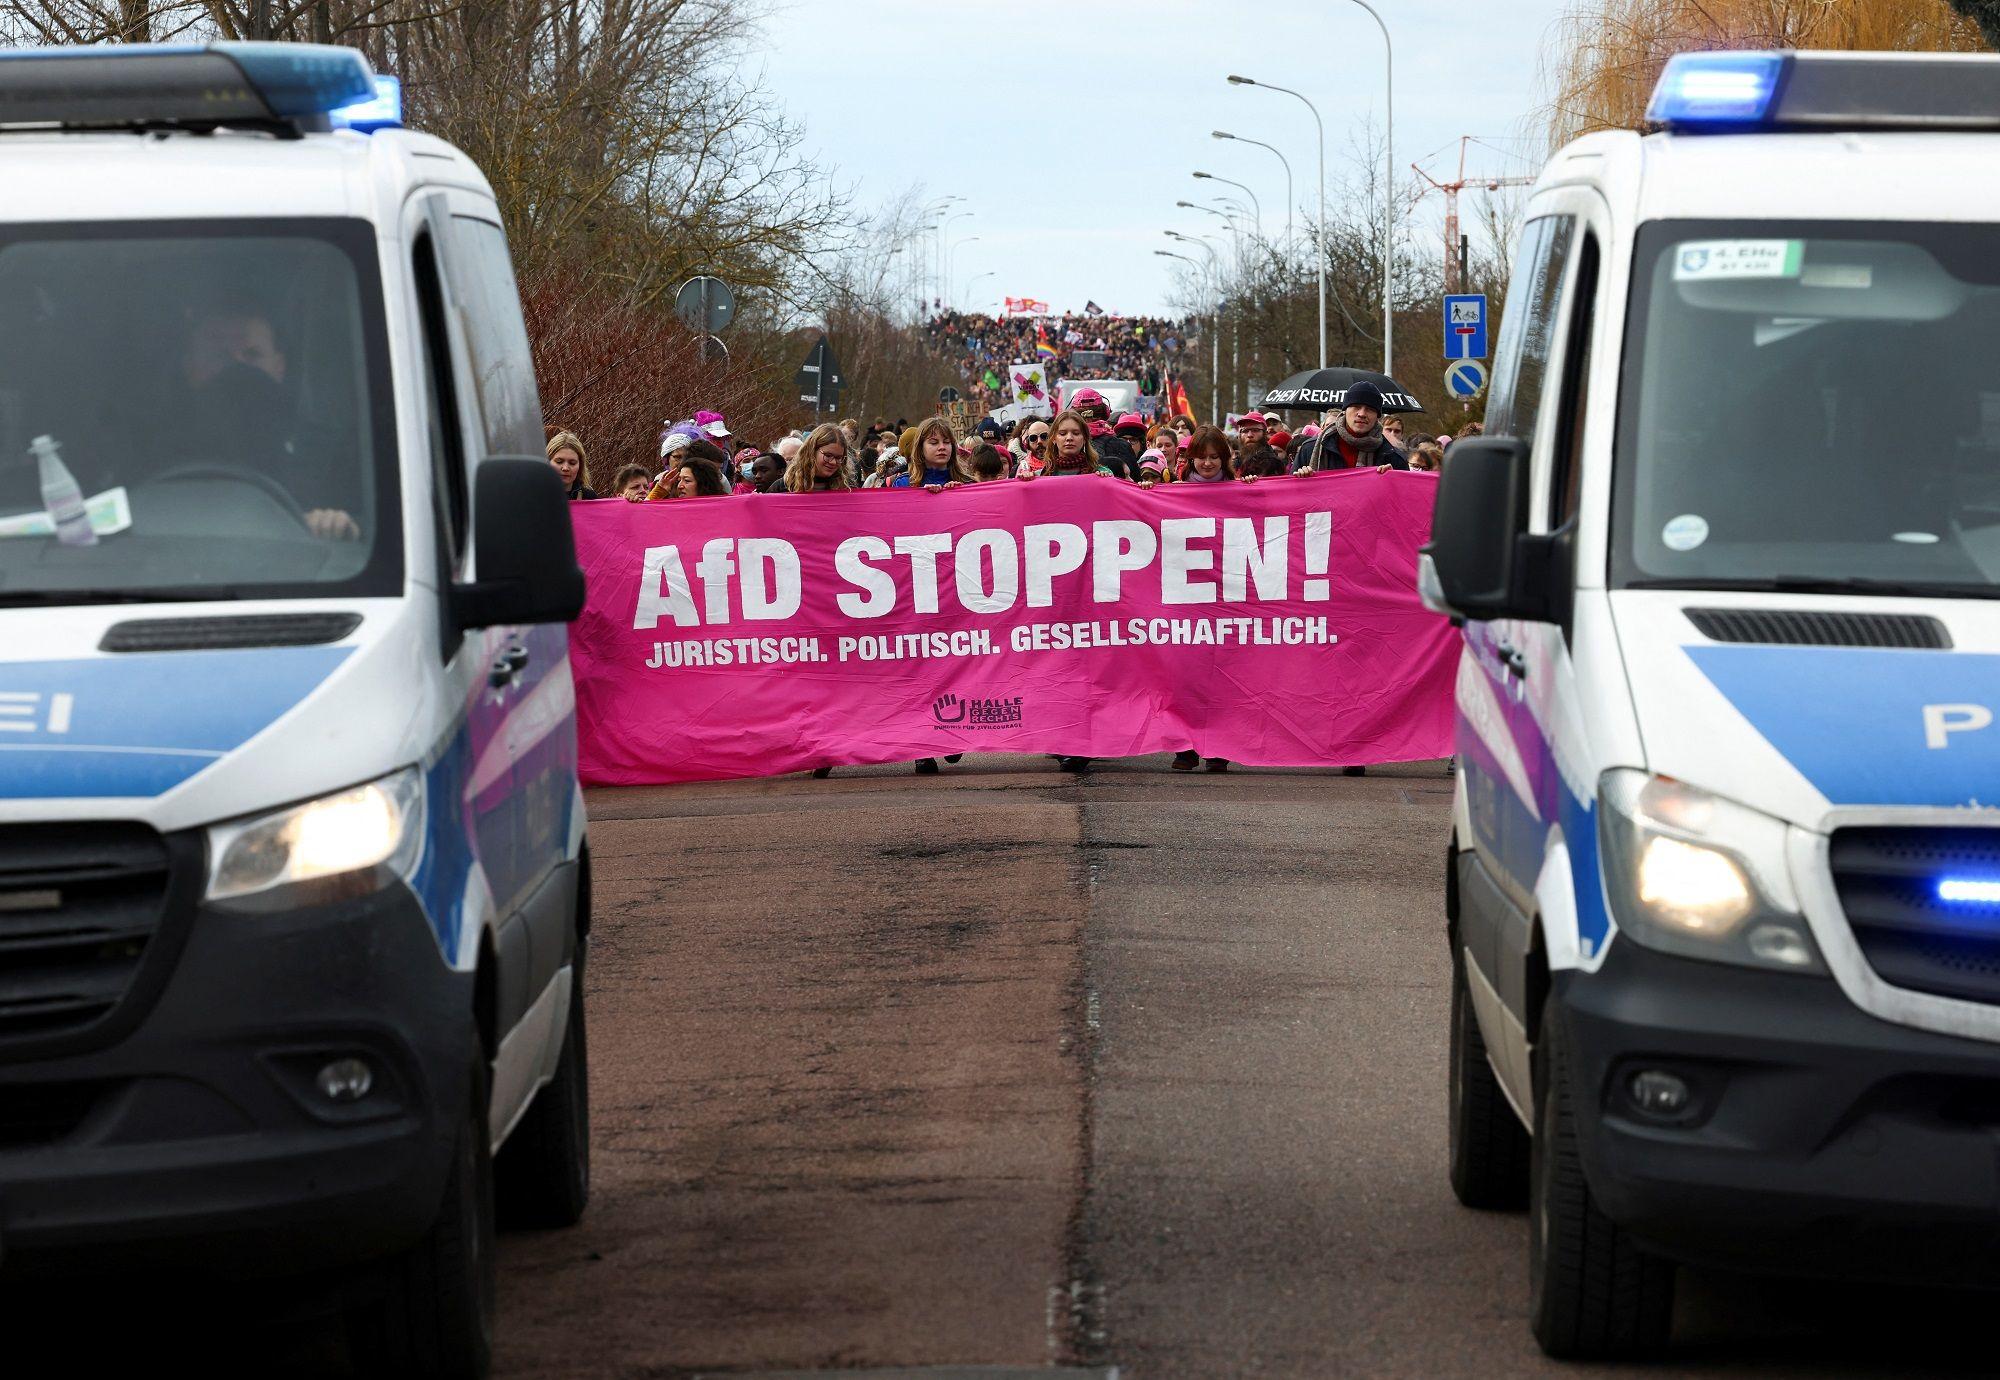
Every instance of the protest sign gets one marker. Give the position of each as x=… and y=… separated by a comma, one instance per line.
x=1274, y=623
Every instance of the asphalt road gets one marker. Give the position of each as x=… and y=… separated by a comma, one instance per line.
x=1138, y=1073
x=1007, y=1068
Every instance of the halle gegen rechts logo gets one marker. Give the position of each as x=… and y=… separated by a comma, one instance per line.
x=951, y=711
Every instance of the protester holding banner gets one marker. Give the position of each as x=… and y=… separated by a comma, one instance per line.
x=566, y=453
x=1354, y=438
x=936, y=450
x=1207, y=458
x=632, y=482
x=821, y=466
x=1029, y=443
x=1068, y=450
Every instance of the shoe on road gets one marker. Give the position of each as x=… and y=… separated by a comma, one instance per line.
x=1186, y=761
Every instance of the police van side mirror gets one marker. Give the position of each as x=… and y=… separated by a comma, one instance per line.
x=1481, y=562
x=524, y=548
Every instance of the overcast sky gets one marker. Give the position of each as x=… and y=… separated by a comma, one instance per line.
x=1071, y=128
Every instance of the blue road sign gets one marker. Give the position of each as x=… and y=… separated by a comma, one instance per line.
x=1466, y=379
x=1465, y=326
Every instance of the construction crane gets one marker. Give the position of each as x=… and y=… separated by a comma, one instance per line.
x=1457, y=252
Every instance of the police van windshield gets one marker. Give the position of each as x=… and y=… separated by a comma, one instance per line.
x=1811, y=405
x=216, y=397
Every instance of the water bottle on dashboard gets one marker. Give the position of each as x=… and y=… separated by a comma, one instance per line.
x=61, y=498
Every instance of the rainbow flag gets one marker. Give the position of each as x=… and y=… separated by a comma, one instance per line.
x=1043, y=349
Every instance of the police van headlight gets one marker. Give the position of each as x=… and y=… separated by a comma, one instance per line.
x=347, y=843
x=1691, y=873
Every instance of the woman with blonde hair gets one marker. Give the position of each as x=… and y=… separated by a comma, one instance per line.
x=934, y=462
x=566, y=453
x=821, y=464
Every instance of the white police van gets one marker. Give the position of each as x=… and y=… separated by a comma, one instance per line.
x=1724, y=874
x=293, y=887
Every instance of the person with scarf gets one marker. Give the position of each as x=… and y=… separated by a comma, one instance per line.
x=1354, y=439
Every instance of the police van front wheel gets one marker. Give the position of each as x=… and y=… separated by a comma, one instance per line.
x=430, y=1311
x=543, y=1171
x=1489, y=1145
x=1593, y=1292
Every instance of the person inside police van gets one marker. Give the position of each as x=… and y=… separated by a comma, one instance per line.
x=1068, y=450
x=821, y=466
x=1354, y=439
x=233, y=372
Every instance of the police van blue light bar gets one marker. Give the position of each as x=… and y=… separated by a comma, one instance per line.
x=383, y=110
x=1747, y=91
x=126, y=84
x=1971, y=891
x=1716, y=88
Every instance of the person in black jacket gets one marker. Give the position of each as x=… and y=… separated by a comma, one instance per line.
x=1354, y=439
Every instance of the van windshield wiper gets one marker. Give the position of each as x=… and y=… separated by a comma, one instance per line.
x=1817, y=584
x=159, y=594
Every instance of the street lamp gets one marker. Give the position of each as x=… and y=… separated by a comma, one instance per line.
x=951, y=259
x=944, y=236
x=1319, y=237
x=1215, y=334
x=967, y=293
x=1258, y=206
x=930, y=208
x=1224, y=134
x=1388, y=191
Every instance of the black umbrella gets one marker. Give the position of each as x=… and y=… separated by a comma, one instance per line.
x=1322, y=388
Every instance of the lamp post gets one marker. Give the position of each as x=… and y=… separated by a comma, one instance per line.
x=944, y=235
x=1388, y=192
x=1257, y=207
x=1319, y=236
x=1224, y=134
x=951, y=260
x=967, y=293
x=1215, y=370
x=931, y=208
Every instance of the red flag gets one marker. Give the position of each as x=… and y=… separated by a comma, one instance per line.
x=1177, y=401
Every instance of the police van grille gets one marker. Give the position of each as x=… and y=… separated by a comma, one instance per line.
x=1887, y=881
x=79, y=905
x=1820, y=628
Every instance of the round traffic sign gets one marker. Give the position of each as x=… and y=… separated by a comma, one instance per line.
x=706, y=304
x=713, y=351
x=1465, y=378
x=947, y=395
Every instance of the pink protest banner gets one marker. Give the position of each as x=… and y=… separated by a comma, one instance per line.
x=1274, y=623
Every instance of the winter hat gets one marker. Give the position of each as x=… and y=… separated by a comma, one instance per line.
x=712, y=423
x=1309, y=430
x=1184, y=443
x=1280, y=439
x=1362, y=394
x=1129, y=420
x=678, y=439
x=907, y=442
x=1086, y=397
x=988, y=427
x=1152, y=462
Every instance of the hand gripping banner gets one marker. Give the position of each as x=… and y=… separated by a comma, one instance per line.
x=1274, y=623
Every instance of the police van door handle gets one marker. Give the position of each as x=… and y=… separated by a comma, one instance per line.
x=1511, y=658
x=507, y=665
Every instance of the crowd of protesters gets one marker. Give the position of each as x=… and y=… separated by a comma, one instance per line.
x=701, y=458
x=1092, y=344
